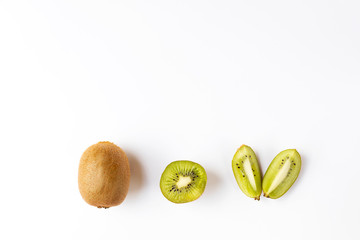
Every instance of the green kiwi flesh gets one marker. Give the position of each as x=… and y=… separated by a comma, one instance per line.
x=183, y=181
x=282, y=173
x=247, y=172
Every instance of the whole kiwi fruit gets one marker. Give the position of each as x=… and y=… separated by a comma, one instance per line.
x=104, y=175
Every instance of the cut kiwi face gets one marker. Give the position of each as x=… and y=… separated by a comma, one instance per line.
x=282, y=173
x=247, y=172
x=183, y=181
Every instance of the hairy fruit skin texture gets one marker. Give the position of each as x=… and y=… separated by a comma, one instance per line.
x=281, y=173
x=104, y=175
x=247, y=172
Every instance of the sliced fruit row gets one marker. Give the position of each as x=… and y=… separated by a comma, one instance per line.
x=104, y=176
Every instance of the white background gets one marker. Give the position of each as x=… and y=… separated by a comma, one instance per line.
x=170, y=80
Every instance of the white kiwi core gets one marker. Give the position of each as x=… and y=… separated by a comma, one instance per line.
x=249, y=173
x=280, y=176
x=183, y=181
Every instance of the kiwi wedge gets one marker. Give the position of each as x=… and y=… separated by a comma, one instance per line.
x=104, y=175
x=183, y=181
x=247, y=172
x=282, y=173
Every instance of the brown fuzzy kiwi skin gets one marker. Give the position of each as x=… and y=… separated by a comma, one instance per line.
x=104, y=175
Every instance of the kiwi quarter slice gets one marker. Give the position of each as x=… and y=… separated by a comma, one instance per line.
x=183, y=181
x=247, y=172
x=282, y=173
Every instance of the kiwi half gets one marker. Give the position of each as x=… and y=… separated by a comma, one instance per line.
x=247, y=172
x=104, y=175
x=282, y=173
x=183, y=181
